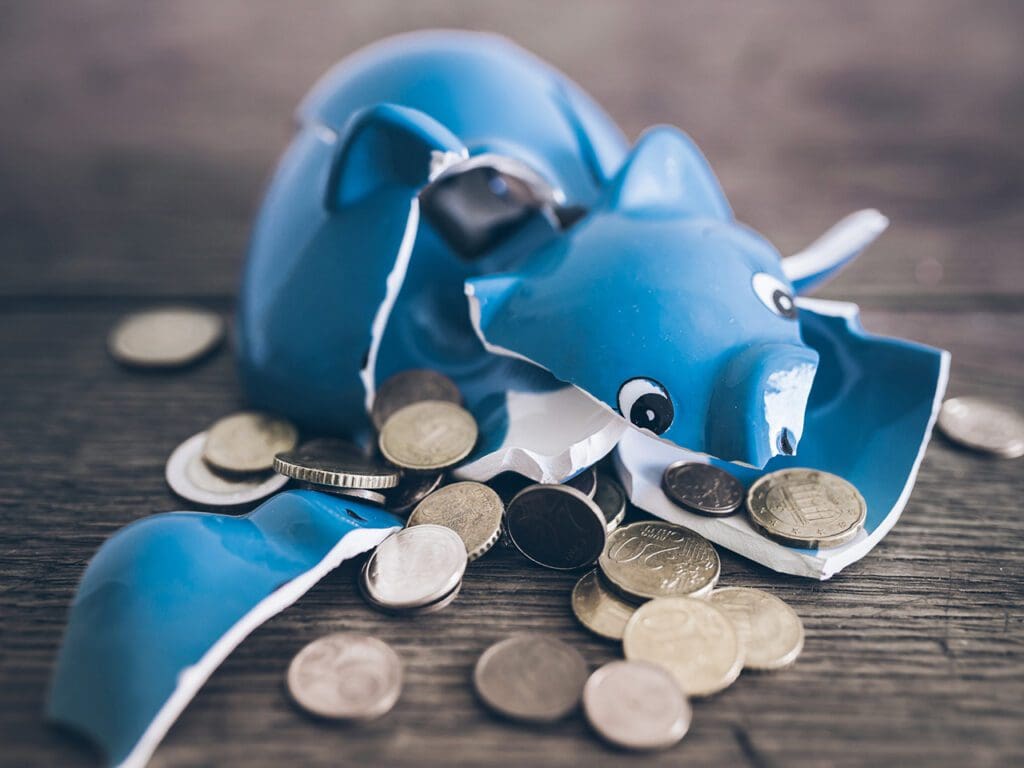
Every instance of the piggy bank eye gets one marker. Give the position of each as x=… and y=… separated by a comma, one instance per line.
x=774, y=295
x=646, y=404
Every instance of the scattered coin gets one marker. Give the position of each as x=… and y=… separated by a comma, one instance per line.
x=611, y=500
x=335, y=463
x=248, y=442
x=771, y=633
x=585, y=481
x=690, y=638
x=703, y=488
x=470, y=509
x=806, y=508
x=556, y=526
x=346, y=676
x=165, y=338
x=598, y=608
x=414, y=487
x=189, y=477
x=414, y=567
x=428, y=436
x=657, y=559
x=636, y=705
x=531, y=677
x=983, y=426
x=410, y=387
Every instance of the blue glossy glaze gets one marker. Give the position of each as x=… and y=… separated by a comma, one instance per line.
x=161, y=592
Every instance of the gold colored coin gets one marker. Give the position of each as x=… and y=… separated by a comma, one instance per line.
x=429, y=435
x=806, y=508
x=690, y=638
x=248, y=442
x=470, y=509
x=770, y=631
x=598, y=608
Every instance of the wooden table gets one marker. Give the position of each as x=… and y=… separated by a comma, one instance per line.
x=135, y=139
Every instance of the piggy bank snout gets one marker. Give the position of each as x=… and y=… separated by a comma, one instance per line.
x=758, y=405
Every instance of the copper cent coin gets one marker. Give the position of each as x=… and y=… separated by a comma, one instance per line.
x=703, y=488
x=556, y=526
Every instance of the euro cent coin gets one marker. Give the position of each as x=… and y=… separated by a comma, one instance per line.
x=770, y=631
x=470, y=509
x=413, y=489
x=336, y=463
x=248, y=441
x=428, y=436
x=703, y=488
x=531, y=677
x=414, y=567
x=410, y=387
x=599, y=609
x=636, y=705
x=654, y=558
x=165, y=338
x=690, y=638
x=556, y=526
x=806, y=508
x=190, y=477
x=346, y=676
x=983, y=426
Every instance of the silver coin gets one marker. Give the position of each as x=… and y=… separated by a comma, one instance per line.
x=336, y=463
x=983, y=426
x=410, y=387
x=770, y=631
x=654, y=558
x=690, y=638
x=531, y=677
x=431, y=607
x=472, y=510
x=346, y=676
x=428, y=436
x=585, y=482
x=806, y=508
x=636, y=705
x=165, y=338
x=599, y=609
x=414, y=567
x=703, y=488
x=189, y=477
x=611, y=500
x=248, y=441
x=556, y=526
x=414, y=487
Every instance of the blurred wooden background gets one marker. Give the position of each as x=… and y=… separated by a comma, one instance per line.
x=135, y=138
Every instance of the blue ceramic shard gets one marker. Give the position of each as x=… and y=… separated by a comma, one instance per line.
x=166, y=599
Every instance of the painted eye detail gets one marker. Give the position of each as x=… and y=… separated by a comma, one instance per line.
x=646, y=404
x=774, y=295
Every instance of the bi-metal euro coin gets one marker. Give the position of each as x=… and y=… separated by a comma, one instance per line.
x=408, y=387
x=248, y=441
x=346, y=676
x=190, y=477
x=654, y=558
x=531, y=677
x=337, y=464
x=771, y=633
x=470, y=509
x=428, y=436
x=165, y=338
x=806, y=508
x=556, y=526
x=983, y=426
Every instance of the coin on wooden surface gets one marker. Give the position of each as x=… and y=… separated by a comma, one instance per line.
x=702, y=488
x=189, y=477
x=470, y=509
x=427, y=436
x=598, y=608
x=636, y=705
x=408, y=387
x=414, y=488
x=248, y=441
x=690, y=638
x=983, y=426
x=770, y=631
x=346, y=676
x=611, y=500
x=336, y=463
x=531, y=677
x=806, y=508
x=414, y=567
x=654, y=558
x=556, y=526
x=165, y=338
x=584, y=481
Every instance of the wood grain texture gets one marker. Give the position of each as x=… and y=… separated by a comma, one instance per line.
x=136, y=137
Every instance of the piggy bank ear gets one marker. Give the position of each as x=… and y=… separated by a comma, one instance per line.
x=386, y=145
x=665, y=173
x=825, y=257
